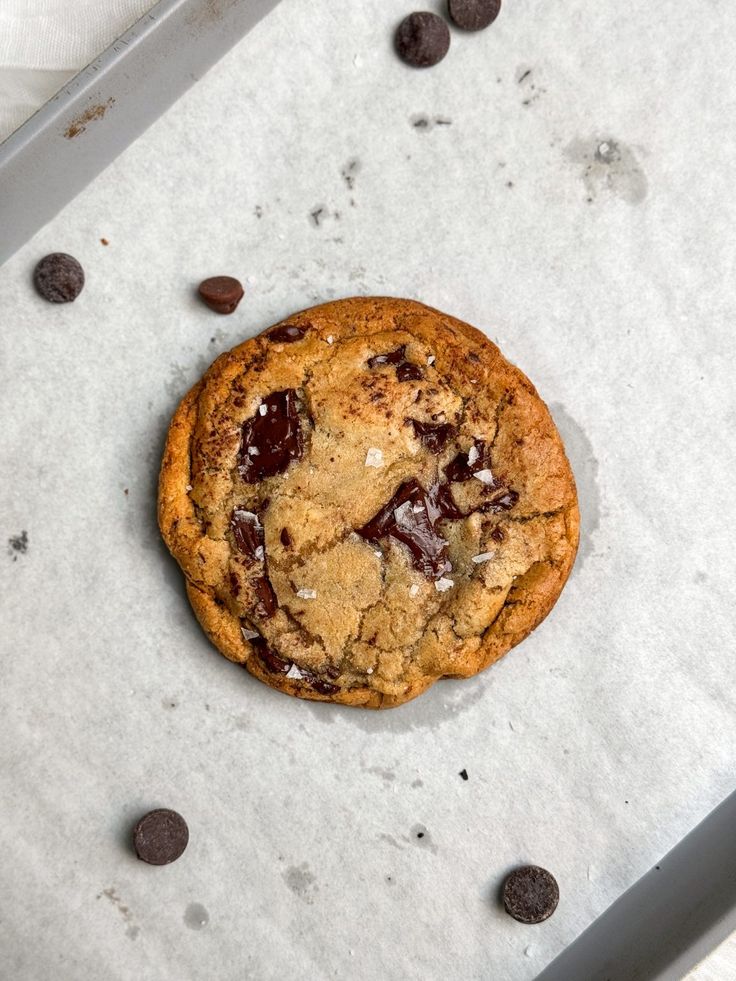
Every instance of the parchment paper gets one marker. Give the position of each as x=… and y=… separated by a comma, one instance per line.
x=565, y=182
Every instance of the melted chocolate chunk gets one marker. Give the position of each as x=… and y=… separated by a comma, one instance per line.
x=409, y=372
x=502, y=502
x=285, y=538
x=234, y=585
x=435, y=438
x=405, y=370
x=319, y=684
x=272, y=440
x=497, y=534
x=247, y=531
x=266, y=602
x=286, y=334
x=443, y=503
x=271, y=661
x=460, y=469
x=409, y=517
x=393, y=357
x=324, y=687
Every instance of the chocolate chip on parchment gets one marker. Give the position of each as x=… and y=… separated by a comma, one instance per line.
x=59, y=278
x=221, y=293
x=530, y=894
x=160, y=837
x=473, y=15
x=422, y=39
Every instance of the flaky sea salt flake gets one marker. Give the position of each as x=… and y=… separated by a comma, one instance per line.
x=483, y=557
x=249, y=634
x=485, y=477
x=262, y=410
x=473, y=455
x=431, y=359
x=307, y=593
x=374, y=457
x=330, y=339
x=294, y=673
x=259, y=553
x=413, y=590
x=443, y=584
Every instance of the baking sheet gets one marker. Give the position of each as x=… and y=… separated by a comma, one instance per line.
x=582, y=215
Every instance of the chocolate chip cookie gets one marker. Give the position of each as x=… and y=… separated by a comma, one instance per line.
x=366, y=498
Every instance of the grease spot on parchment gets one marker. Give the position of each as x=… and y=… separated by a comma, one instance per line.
x=388, y=776
x=131, y=929
x=421, y=837
x=209, y=12
x=80, y=124
x=301, y=881
x=608, y=166
x=584, y=465
x=196, y=916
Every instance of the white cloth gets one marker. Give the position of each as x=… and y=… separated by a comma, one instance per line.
x=43, y=43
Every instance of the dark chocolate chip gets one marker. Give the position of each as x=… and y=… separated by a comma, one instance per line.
x=160, y=837
x=247, y=531
x=286, y=333
x=272, y=439
x=409, y=517
x=473, y=15
x=436, y=437
x=409, y=372
x=422, y=39
x=266, y=602
x=464, y=774
x=497, y=534
x=530, y=894
x=285, y=538
x=59, y=278
x=221, y=293
x=393, y=357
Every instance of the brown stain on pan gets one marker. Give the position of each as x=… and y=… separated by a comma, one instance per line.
x=80, y=124
x=209, y=12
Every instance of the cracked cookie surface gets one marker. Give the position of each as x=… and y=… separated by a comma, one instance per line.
x=366, y=498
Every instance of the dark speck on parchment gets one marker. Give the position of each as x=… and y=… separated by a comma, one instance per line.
x=18, y=545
